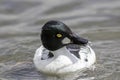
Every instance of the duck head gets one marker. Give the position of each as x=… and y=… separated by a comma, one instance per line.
x=53, y=34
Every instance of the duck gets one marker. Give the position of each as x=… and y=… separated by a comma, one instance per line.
x=62, y=52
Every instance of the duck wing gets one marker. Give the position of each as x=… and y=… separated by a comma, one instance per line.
x=74, y=49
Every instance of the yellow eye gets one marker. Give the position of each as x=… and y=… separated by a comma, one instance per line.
x=59, y=35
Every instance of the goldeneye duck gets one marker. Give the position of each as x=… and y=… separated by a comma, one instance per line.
x=62, y=51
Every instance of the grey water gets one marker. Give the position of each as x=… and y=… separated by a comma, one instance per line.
x=20, y=26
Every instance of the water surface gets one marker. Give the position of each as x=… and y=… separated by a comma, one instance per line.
x=20, y=26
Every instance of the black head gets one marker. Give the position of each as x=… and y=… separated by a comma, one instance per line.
x=54, y=32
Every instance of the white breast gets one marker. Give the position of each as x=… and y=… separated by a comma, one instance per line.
x=63, y=61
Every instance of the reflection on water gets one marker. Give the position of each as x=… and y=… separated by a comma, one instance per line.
x=20, y=25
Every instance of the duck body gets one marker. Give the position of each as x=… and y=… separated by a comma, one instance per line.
x=63, y=62
x=62, y=52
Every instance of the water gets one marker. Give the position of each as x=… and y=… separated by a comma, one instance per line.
x=21, y=22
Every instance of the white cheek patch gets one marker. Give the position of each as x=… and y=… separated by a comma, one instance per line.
x=66, y=40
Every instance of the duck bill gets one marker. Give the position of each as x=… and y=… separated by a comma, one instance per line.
x=78, y=40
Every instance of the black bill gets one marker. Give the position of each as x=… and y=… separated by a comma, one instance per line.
x=78, y=40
